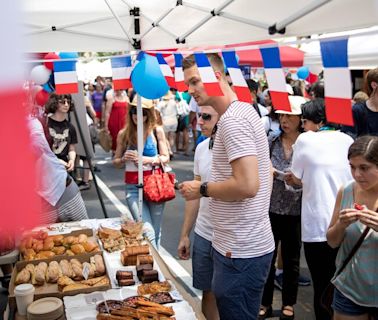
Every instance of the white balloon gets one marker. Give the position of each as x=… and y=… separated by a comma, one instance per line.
x=40, y=74
x=316, y=69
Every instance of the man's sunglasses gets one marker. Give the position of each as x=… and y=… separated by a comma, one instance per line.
x=134, y=111
x=204, y=116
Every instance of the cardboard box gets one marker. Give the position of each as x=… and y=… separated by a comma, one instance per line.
x=51, y=289
x=88, y=232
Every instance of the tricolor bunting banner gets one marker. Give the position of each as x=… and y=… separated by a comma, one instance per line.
x=238, y=82
x=166, y=70
x=207, y=75
x=275, y=78
x=121, y=70
x=337, y=81
x=179, y=74
x=65, y=77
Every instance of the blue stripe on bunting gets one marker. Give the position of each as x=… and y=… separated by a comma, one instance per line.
x=178, y=60
x=201, y=59
x=271, y=57
x=121, y=62
x=140, y=55
x=160, y=58
x=61, y=66
x=230, y=60
x=334, y=53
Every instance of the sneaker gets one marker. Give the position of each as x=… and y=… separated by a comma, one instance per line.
x=278, y=281
x=84, y=186
x=303, y=280
x=96, y=169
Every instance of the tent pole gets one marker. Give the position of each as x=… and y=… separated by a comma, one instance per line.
x=244, y=20
x=68, y=25
x=140, y=153
x=211, y=14
x=301, y=13
x=86, y=150
x=118, y=20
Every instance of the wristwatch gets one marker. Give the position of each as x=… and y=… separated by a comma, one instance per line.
x=203, y=189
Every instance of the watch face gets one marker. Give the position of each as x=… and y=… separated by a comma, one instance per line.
x=203, y=189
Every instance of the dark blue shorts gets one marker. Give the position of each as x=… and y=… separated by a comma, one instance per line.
x=341, y=304
x=202, y=263
x=238, y=285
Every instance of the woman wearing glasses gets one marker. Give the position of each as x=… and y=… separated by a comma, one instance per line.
x=284, y=212
x=155, y=152
x=320, y=165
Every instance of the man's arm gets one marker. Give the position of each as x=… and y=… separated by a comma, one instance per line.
x=190, y=217
x=244, y=183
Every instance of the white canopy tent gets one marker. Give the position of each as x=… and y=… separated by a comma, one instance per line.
x=362, y=50
x=110, y=25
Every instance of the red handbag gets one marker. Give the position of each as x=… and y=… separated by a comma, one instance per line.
x=159, y=186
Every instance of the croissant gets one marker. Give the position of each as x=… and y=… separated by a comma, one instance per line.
x=59, y=250
x=48, y=244
x=58, y=239
x=77, y=248
x=89, y=246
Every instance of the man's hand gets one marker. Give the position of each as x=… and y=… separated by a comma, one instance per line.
x=183, y=248
x=190, y=190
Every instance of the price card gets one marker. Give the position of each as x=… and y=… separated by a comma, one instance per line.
x=86, y=270
x=176, y=295
x=94, y=297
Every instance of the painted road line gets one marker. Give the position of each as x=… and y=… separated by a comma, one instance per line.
x=176, y=268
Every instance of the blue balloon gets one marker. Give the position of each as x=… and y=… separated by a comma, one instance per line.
x=68, y=55
x=47, y=87
x=147, y=78
x=303, y=73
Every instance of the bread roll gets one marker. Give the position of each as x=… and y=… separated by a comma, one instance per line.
x=69, y=241
x=89, y=246
x=44, y=255
x=77, y=248
x=69, y=253
x=40, y=273
x=58, y=239
x=82, y=238
x=37, y=245
x=66, y=268
x=59, y=250
x=48, y=244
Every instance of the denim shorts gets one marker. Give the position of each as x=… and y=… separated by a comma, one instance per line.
x=341, y=304
x=202, y=263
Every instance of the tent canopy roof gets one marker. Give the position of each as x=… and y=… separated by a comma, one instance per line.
x=106, y=25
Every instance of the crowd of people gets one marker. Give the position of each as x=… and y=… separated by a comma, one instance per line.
x=265, y=181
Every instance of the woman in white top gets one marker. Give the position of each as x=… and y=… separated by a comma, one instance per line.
x=320, y=165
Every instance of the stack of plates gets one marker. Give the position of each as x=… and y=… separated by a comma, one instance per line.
x=46, y=309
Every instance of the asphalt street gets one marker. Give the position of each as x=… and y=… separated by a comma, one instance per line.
x=111, y=187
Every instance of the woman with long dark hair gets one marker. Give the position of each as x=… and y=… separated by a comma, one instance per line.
x=155, y=152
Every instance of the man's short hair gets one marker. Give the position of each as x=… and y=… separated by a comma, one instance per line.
x=215, y=61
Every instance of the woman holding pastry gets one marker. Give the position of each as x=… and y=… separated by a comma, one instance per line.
x=356, y=286
x=155, y=152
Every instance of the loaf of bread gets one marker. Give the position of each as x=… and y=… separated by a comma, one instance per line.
x=136, y=250
x=66, y=268
x=99, y=263
x=144, y=259
x=77, y=268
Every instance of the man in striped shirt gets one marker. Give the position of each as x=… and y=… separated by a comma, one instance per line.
x=239, y=191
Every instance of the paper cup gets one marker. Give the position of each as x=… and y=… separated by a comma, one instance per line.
x=24, y=294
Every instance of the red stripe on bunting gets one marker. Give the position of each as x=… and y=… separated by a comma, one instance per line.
x=213, y=89
x=121, y=84
x=339, y=110
x=243, y=94
x=181, y=86
x=171, y=81
x=280, y=100
x=66, y=88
